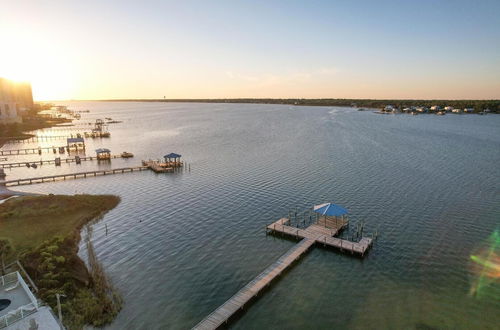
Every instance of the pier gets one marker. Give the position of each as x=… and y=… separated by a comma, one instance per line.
x=222, y=314
x=53, y=161
x=36, y=138
x=79, y=175
x=28, y=151
x=322, y=232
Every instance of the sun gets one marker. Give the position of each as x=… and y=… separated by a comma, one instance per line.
x=42, y=63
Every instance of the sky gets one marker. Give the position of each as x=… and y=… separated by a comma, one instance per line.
x=259, y=49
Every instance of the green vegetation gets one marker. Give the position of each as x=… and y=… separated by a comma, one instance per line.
x=478, y=105
x=32, y=120
x=44, y=231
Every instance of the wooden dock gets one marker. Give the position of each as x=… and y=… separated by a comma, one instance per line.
x=315, y=233
x=222, y=314
x=52, y=161
x=28, y=151
x=79, y=175
x=322, y=235
x=158, y=167
x=36, y=138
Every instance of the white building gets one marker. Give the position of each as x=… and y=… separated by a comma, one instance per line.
x=15, y=98
x=22, y=310
x=435, y=108
x=448, y=108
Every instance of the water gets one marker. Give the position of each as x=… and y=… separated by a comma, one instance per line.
x=180, y=244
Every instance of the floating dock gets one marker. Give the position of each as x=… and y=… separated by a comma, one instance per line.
x=320, y=232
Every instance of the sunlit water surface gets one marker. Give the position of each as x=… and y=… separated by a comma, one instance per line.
x=180, y=244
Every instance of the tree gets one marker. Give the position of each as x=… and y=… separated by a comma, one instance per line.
x=5, y=249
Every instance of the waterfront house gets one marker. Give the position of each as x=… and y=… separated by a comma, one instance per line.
x=456, y=110
x=421, y=109
x=389, y=108
x=435, y=108
x=20, y=309
x=448, y=109
x=469, y=110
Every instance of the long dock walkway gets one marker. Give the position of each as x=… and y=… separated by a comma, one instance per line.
x=52, y=161
x=36, y=138
x=42, y=179
x=28, y=151
x=236, y=302
x=315, y=233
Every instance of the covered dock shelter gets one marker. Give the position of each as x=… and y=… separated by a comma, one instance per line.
x=331, y=215
x=173, y=159
x=103, y=153
x=77, y=143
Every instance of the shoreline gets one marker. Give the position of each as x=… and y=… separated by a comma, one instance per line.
x=492, y=104
x=89, y=291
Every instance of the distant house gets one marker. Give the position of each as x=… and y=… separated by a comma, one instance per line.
x=421, y=109
x=469, y=110
x=389, y=108
x=435, y=108
x=456, y=110
x=448, y=109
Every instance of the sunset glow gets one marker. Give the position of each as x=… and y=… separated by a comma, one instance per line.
x=96, y=50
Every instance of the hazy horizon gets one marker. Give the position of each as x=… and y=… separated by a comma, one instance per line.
x=264, y=49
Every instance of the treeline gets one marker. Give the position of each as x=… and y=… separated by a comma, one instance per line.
x=478, y=105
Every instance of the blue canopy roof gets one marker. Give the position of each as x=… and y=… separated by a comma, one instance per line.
x=102, y=150
x=330, y=209
x=172, y=155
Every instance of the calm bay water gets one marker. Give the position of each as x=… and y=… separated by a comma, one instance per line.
x=181, y=244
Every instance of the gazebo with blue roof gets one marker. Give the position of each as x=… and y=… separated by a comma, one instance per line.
x=173, y=159
x=331, y=215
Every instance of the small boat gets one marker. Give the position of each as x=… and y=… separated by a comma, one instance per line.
x=126, y=154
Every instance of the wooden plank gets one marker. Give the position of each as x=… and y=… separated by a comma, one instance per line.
x=237, y=301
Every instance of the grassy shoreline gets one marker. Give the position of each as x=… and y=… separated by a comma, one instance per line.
x=44, y=233
x=30, y=122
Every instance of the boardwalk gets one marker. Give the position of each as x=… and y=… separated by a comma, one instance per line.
x=28, y=151
x=52, y=161
x=236, y=302
x=315, y=233
x=79, y=175
x=36, y=138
